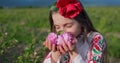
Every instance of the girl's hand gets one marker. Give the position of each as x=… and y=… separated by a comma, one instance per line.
x=50, y=46
x=54, y=52
x=68, y=47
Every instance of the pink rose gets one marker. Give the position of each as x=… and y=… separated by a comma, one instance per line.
x=67, y=37
x=58, y=39
x=52, y=37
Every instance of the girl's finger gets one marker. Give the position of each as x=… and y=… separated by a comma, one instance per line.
x=70, y=46
x=65, y=46
x=49, y=45
x=58, y=49
x=53, y=47
x=61, y=50
x=46, y=44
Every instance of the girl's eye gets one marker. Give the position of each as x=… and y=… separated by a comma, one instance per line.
x=69, y=25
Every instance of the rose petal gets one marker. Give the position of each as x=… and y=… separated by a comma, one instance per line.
x=67, y=37
x=60, y=40
x=70, y=10
x=52, y=37
x=62, y=3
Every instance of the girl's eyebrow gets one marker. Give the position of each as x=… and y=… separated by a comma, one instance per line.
x=64, y=24
x=69, y=23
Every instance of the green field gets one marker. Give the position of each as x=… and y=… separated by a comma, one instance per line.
x=23, y=30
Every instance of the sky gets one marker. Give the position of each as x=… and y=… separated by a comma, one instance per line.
x=17, y=3
x=13, y=3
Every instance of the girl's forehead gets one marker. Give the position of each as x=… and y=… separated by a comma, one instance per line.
x=58, y=19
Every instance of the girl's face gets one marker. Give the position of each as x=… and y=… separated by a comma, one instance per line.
x=66, y=24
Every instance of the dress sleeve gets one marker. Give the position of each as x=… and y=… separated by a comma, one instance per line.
x=48, y=59
x=97, y=47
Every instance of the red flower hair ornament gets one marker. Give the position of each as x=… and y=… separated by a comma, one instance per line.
x=69, y=8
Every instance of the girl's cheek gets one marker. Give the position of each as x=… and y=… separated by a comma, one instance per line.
x=76, y=32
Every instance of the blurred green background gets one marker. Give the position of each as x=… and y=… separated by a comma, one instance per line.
x=23, y=30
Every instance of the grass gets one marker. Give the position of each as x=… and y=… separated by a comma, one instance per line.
x=22, y=32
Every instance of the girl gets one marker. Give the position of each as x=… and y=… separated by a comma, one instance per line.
x=88, y=46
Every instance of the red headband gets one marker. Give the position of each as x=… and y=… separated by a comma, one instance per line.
x=69, y=8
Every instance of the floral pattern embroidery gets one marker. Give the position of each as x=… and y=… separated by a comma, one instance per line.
x=98, y=45
x=66, y=58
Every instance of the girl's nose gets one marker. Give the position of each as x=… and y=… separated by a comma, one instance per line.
x=63, y=29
